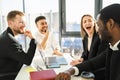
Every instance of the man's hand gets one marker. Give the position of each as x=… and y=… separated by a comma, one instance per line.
x=28, y=34
x=63, y=76
x=43, y=43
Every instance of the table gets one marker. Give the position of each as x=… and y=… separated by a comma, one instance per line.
x=24, y=72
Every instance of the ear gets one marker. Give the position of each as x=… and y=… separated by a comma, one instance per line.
x=110, y=23
x=9, y=23
x=37, y=25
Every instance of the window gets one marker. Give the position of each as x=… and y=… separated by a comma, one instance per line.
x=5, y=7
x=47, y=8
x=72, y=45
x=75, y=9
x=32, y=9
x=108, y=2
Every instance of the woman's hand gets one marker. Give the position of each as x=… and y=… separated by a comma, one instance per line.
x=75, y=62
x=57, y=52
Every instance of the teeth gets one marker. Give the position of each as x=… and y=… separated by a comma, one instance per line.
x=88, y=27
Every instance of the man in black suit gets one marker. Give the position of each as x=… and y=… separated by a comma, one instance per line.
x=12, y=56
x=108, y=21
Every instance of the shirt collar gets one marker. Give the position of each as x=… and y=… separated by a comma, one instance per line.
x=114, y=47
x=10, y=31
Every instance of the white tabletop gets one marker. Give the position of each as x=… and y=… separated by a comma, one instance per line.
x=37, y=61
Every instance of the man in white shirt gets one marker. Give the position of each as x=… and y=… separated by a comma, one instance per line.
x=45, y=39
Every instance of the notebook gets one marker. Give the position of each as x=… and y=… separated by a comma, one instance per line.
x=43, y=75
x=53, y=61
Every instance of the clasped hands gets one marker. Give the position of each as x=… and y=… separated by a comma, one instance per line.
x=28, y=33
x=63, y=76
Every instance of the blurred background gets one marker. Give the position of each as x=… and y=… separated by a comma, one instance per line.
x=63, y=17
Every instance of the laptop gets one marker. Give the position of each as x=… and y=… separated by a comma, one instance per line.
x=53, y=61
x=50, y=62
x=61, y=60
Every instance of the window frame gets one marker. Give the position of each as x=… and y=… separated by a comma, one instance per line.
x=62, y=17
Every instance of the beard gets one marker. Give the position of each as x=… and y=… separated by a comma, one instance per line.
x=19, y=31
x=105, y=35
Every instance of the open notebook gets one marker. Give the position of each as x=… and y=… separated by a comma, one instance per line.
x=53, y=61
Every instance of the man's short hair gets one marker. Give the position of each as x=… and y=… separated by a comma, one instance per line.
x=110, y=12
x=12, y=14
x=39, y=18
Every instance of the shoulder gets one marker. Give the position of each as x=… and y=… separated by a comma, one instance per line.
x=5, y=36
x=96, y=38
x=6, y=39
x=96, y=35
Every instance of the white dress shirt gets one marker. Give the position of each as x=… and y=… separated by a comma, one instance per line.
x=114, y=47
x=51, y=43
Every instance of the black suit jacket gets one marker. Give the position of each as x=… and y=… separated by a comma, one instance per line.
x=93, y=48
x=12, y=57
x=109, y=58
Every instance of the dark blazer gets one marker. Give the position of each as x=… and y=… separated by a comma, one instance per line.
x=12, y=56
x=109, y=58
x=97, y=46
x=93, y=48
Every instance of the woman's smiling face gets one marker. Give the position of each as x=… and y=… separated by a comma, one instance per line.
x=88, y=24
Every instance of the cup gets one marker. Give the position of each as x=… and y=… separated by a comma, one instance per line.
x=76, y=54
x=87, y=76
